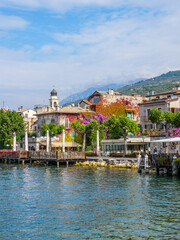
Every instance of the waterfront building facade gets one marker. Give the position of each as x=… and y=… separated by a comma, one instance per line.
x=58, y=115
x=29, y=117
x=165, y=101
x=105, y=98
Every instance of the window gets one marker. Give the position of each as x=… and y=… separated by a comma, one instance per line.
x=52, y=120
x=172, y=110
x=148, y=113
x=129, y=115
x=96, y=100
x=66, y=123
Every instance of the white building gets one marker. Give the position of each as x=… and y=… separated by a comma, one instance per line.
x=29, y=117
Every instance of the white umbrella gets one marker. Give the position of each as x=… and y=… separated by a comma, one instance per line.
x=166, y=140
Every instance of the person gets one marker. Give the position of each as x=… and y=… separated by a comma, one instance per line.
x=155, y=150
x=160, y=151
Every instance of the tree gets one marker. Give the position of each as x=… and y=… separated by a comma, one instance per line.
x=92, y=127
x=93, y=122
x=112, y=128
x=169, y=117
x=81, y=128
x=124, y=125
x=156, y=116
x=53, y=130
x=127, y=126
x=10, y=122
x=177, y=120
x=169, y=120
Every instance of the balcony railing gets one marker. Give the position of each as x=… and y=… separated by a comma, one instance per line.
x=144, y=118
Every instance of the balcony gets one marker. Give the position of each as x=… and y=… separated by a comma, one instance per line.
x=144, y=119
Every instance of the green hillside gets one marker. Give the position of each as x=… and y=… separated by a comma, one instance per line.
x=162, y=83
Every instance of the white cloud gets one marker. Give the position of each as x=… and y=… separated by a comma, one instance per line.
x=65, y=5
x=12, y=22
x=115, y=50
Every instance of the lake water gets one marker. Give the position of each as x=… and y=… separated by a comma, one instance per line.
x=87, y=203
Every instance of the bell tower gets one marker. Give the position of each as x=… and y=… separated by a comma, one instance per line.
x=54, y=102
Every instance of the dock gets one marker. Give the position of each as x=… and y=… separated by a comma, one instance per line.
x=159, y=164
x=44, y=158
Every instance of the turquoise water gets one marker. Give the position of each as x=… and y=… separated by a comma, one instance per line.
x=87, y=203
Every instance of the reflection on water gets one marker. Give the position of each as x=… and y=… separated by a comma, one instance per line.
x=87, y=203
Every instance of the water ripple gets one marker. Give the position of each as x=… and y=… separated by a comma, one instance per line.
x=87, y=203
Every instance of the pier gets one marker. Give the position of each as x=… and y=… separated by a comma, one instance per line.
x=159, y=164
x=45, y=158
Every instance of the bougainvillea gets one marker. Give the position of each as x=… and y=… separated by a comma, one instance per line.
x=86, y=119
x=175, y=132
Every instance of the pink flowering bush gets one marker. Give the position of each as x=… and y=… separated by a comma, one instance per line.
x=175, y=132
x=99, y=117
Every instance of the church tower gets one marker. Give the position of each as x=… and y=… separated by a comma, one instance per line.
x=54, y=102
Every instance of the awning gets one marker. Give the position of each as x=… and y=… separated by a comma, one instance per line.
x=166, y=140
x=59, y=144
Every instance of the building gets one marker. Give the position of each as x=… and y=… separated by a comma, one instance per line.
x=56, y=114
x=137, y=144
x=107, y=97
x=165, y=101
x=29, y=117
x=86, y=105
x=4, y=109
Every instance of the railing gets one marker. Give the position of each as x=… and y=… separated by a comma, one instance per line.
x=9, y=155
x=71, y=155
x=43, y=155
x=161, y=160
x=144, y=118
x=57, y=155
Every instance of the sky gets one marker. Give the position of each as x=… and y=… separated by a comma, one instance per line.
x=71, y=45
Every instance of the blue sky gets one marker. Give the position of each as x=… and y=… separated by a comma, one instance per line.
x=75, y=44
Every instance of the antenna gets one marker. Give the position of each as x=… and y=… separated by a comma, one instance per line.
x=3, y=103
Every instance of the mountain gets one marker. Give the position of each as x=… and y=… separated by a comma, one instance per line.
x=162, y=83
x=75, y=98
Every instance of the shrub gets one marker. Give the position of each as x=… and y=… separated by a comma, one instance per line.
x=161, y=159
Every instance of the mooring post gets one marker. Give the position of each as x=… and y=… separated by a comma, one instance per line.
x=67, y=163
x=138, y=160
x=14, y=141
x=22, y=162
x=58, y=164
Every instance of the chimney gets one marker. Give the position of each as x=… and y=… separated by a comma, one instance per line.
x=110, y=91
x=20, y=108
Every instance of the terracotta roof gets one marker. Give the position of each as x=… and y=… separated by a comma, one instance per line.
x=158, y=101
x=165, y=93
x=86, y=101
x=67, y=109
x=5, y=110
x=107, y=92
x=23, y=110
